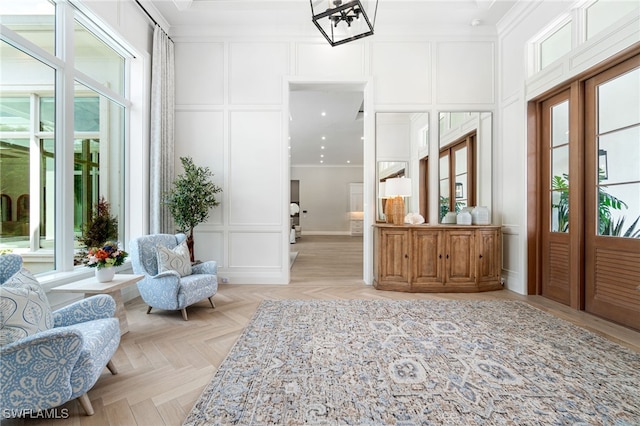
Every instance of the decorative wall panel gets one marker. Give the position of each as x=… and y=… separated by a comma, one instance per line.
x=255, y=168
x=202, y=63
x=209, y=245
x=200, y=135
x=320, y=60
x=465, y=72
x=255, y=250
x=402, y=73
x=255, y=72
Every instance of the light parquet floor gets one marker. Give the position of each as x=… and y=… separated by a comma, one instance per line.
x=165, y=362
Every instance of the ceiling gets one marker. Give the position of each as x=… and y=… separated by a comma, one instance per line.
x=334, y=139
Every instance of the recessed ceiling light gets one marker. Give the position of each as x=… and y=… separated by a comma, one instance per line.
x=348, y=161
x=322, y=147
x=323, y=113
x=324, y=138
x=321, y=161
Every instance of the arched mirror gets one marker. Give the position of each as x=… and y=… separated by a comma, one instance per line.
x=464, y=165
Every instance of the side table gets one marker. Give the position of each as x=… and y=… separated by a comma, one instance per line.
x=91, y=286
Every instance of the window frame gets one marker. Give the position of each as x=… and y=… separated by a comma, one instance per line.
x=66, y=78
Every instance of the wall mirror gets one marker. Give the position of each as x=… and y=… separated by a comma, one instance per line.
x=464, y=165
x=399, y=135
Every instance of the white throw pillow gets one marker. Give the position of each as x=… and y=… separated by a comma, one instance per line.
x=24, y=308
x=178, y=259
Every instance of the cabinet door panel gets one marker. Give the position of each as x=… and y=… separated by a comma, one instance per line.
x=487, y=258
x=460, y=256
x=427, y=258
x=394, y=259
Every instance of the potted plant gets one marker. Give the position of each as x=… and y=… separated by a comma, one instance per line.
x=191, y=198
x=100, y=227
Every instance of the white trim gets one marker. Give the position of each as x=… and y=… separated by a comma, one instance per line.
x=369, y=201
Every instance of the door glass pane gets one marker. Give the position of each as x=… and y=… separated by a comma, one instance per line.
x=618, y=102
x=560, y=124
x=444, y=185
x=444, y=197
x=32, y=19
x=619, y=210
x=619, y=156
x=462, y=183
x=27, y=159
x=560, y=211
x=618, y=153
x=559, y=168
x=560, y=161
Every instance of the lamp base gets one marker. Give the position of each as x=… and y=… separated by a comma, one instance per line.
x=396, y=211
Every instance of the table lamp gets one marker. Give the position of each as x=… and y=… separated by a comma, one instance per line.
x=396, y=189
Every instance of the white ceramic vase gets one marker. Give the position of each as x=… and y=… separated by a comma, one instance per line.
x=480, y=216
x=463, y=218
x=104, y=275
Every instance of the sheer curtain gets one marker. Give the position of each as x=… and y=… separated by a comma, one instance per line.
x=161, y=150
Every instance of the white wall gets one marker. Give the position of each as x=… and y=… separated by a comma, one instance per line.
x=324, y=195
x=231, y=112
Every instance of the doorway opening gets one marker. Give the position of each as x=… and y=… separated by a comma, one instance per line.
x=326, y=146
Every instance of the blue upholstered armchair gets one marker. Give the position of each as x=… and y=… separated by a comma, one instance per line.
x=177, y=284
x=48, y=358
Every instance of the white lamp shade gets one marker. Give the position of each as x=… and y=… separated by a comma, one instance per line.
x=398, y=187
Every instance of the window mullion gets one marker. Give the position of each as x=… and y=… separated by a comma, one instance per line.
x=64, y=167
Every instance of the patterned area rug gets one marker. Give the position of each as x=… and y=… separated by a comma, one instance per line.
x=419, y=363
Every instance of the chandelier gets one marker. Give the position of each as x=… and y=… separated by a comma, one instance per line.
x=341, y=22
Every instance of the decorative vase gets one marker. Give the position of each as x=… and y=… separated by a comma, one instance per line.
x=104, y=275
x=450, y=217
x=463, y=218
x=480, y=216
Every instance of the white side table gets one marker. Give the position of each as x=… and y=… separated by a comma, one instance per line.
x=91, y=286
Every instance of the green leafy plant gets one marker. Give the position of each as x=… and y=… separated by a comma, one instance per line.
x=606, y=203
x=101, y=226
x=560, y=184
x=191, y=198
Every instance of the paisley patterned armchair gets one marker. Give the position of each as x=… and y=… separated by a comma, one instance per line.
x=171, y=289
x=60, y=358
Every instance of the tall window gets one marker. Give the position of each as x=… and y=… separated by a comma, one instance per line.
x=40, y=164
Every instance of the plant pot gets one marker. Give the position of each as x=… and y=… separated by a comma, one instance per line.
x=104, y=275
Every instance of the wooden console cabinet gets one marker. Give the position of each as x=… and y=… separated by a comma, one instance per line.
x=437, y=258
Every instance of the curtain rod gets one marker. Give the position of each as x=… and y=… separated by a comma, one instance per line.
x=150, y=17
